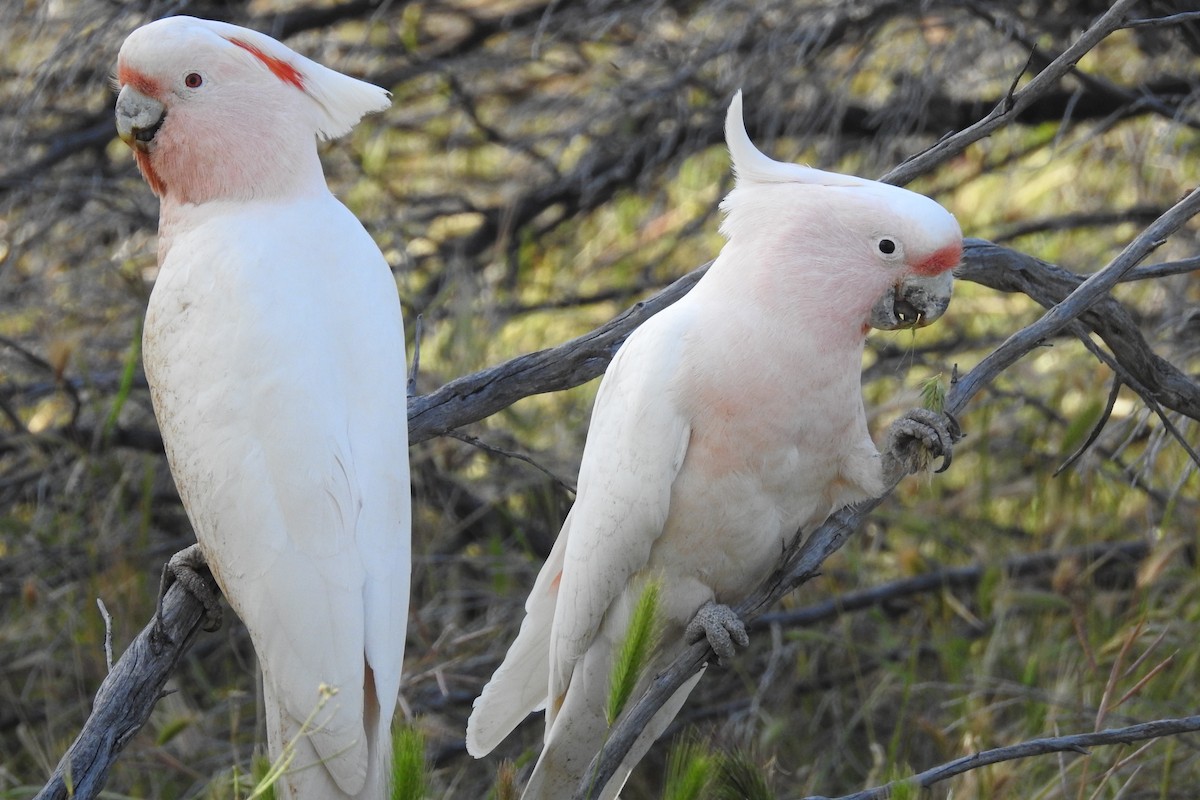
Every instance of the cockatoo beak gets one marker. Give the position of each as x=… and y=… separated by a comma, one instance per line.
x=913, y=303
x=138, y=118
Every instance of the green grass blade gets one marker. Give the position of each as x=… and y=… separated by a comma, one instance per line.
x=634, y=654
x=128, y=373
x=741, y=778
x=410, y=772
x=691, y=768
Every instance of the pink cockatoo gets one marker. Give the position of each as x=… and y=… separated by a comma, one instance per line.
x=274, y=349
x=725, y=424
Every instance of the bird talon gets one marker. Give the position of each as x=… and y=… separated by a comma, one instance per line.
x=722, y=627
x=919, y=435
x=186, y=567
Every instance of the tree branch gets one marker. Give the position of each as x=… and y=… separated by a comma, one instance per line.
x=1034, y=747
x=1015, y=103
x=481, y=394
x=1011, y=271
x=126, y=698
x=1090, y=292
x=952, y=578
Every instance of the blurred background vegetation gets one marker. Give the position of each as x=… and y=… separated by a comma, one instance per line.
x=544, y=165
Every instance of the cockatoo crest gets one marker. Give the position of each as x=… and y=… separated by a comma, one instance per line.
x=338, y=101
x=751, y=166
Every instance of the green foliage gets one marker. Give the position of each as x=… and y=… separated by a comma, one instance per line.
x=933, y=394
x=739, y=777
x=410, y=770
x=128, y=373
x=636, y=649
x=691, y=770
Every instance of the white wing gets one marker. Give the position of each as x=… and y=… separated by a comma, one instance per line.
x=635, y=447
x=274, y=348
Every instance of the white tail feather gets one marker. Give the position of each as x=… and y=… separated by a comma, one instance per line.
x=320, y=771
x=522, y=682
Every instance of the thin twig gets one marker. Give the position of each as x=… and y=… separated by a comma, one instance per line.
x=416, y=360
x=1013, y=104
x=1160, y=22
x=107, y=632
x=1152, y=271
x=502, y=452
x=1096, y=429
x=1077, y=743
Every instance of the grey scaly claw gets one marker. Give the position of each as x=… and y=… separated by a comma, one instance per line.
x=721, y=626
x=916, y=437
x=185, y=567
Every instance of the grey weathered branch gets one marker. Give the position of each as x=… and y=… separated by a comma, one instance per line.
x=1075, y=743
x=126, y=698
x=1081, y=300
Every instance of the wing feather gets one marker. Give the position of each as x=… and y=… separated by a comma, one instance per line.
x=635, y=447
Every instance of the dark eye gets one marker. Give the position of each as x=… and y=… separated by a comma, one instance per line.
x=193, y=80
x=887, y=246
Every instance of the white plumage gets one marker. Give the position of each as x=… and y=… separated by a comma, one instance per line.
x=274, y=348
x=727, y=422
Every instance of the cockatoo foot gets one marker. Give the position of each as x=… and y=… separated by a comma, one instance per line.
x=721, y=626
x=916, y=438
x=185, y=567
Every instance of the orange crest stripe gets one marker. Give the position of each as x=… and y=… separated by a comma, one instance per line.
x=280, y=68
x=127, y=76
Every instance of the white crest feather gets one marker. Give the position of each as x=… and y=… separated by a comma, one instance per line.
x=751, y=166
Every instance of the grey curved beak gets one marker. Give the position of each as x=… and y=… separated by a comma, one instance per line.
x=913, y=303
x=138, y=118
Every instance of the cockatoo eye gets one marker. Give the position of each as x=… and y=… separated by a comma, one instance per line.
x=887, y=246
x=193, y=80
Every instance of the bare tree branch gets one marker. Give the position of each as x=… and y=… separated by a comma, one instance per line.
x=126, y=698
x=1001, y=115
x=952, y=578
x=1074, y=305
x=481, y=394
x=1160, y=22
x=1012, y=271
x=1035, y=747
